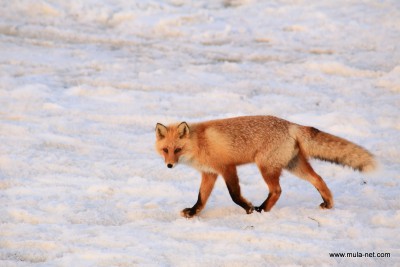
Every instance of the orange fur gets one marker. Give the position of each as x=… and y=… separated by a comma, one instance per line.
x=217, y=147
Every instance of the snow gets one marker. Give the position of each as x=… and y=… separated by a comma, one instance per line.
x=83, y=84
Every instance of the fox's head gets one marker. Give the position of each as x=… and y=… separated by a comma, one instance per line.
x=172, y=142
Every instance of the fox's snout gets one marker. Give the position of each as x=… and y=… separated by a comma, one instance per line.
x=170, y=162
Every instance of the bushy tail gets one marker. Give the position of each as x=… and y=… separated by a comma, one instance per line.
x=320, y=145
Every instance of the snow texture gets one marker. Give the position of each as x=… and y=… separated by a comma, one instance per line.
x=83, y=84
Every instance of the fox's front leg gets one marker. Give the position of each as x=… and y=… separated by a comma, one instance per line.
x=232, y=182
x=206, y=186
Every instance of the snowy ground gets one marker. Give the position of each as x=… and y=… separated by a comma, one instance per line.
x=83, y=83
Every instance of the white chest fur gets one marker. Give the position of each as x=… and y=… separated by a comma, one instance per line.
x=195, y=164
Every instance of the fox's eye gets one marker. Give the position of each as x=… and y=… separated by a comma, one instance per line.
x=178, y=150
x=165, y=150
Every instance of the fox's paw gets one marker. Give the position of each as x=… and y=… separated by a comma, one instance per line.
x=258, y=209
x=188, y=212
x=250, y=210
x=326, y=205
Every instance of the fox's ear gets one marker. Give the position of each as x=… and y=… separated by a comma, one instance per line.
x=161, y=131
x=183, y=130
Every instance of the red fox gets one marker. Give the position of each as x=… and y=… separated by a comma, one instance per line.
x=217, y=147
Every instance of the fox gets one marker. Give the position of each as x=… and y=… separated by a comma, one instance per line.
x=218, y=147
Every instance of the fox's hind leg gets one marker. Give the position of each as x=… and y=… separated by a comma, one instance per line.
x=206, y=186
x=300, y=167
x=271, y=177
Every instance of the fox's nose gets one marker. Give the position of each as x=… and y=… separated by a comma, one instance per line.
x=169, y=165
